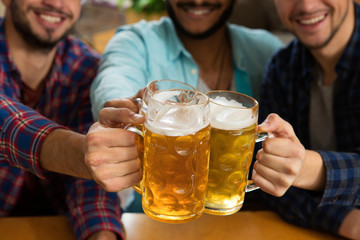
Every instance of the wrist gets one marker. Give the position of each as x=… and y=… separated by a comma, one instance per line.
x=103, y=234
x=63, y=152
x=312, y=175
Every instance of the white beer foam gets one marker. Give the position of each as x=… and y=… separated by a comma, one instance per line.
x=163, y=96
x=176, y=121
x=230, y=114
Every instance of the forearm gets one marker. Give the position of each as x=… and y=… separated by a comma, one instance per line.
x=312, y=175
x=63, y=152
x=103, y=235
x=336, y=174
x=350, y=228
x=120, y=74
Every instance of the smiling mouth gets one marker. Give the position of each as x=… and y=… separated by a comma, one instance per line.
x=313, y=20
x=198, y=10
x=51, y=15
x=50, y=19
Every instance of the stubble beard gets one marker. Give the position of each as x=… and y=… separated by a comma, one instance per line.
x=214, y=28
x=34, y=41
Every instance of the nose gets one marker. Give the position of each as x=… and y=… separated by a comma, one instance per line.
x=58, y=4
x=306, y=5
x=199, y=2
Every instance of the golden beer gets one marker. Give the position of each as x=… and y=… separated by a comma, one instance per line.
x=233, y=134
x=230, y=159
x=152, y=87
x=176, y=143
x=175, y=174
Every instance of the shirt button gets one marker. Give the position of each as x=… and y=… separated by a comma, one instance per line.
x=193, y=71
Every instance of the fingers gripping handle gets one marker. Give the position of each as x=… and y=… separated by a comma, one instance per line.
x=251, y=186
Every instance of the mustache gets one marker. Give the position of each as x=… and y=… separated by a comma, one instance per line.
x=308, y=14
x=51, y=9
x=193, y=4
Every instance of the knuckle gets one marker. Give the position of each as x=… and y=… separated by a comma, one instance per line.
x=93, y=159
x=299, y=152
x=290, y=169
x=93, y=139
x=266, y=146
x=111, y=188
x=279, y=193
x=108, y=185
x=273, y=115
x=284, y=182
x=125, y=115
x=112, y=103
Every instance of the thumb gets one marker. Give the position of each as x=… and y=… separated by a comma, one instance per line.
x=277, y=126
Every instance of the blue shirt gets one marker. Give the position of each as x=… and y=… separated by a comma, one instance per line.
x=147, y=51
x=286, y=91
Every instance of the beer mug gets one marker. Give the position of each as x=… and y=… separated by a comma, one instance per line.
x=157, y=85
x=176, y=143
x=233, y=118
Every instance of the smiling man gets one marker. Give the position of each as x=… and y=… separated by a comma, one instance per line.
x=45, y=106
x=314, y=84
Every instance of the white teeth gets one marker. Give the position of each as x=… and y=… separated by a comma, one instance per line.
x=313, y=20
x=199, y=12
x=50, y=19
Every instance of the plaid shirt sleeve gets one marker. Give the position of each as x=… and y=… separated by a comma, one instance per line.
x=23, y=132
x=92, y=209
x=301, y=207
x=342, y=178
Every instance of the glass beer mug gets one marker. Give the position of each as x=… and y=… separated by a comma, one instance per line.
x=233, y=118
x=176, y=141
x=153, y=86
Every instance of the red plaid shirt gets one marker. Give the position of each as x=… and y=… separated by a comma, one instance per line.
x=64, y=101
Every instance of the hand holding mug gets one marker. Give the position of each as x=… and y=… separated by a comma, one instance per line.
x=280, y=161
x=112, y=156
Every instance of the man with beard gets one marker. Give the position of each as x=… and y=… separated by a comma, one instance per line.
x=45, y=106
x=314, y=85
x=195, y=45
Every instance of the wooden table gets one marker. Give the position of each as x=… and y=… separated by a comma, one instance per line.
x=262, y=225
x=36, y=228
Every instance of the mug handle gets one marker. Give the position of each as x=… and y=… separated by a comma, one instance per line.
x=262, y=136
x=134, y=129
x=251, y=186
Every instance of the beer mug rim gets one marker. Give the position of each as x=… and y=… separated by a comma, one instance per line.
x=197, y=93
x=235, y=93
x=148, y=86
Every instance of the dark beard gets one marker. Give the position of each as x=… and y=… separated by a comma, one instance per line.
x=22, y=26
x=221, y=22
